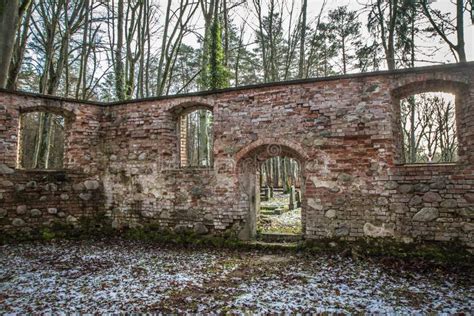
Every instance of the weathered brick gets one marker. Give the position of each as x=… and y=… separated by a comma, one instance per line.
x=124, y=160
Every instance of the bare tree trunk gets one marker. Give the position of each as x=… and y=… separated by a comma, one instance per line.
x=49, y=142
x=273, y=73
x=459, y=48
x=83, y=62
x=276, y=172
x=344, y=55
x=148, y=52
x=226, y=33
x=19, y=51
x=413, y=150
x=460, y=30
x=119, y=67
x=258, y=8
x=208, y=12
x=237, y=57
x=303, y=39
x=9, y=20
x=284, y=174
x=11, y=12
x=39, y=140
x=203, y=142
x=163, y=48
x=391, y=35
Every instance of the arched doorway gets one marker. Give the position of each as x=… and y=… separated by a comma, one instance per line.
x=250, y=162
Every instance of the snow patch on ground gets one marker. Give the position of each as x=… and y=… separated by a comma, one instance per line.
x=121, y=276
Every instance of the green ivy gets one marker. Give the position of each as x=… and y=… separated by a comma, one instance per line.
x=215, y=75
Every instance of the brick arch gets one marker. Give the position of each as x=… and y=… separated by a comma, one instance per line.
x=248, y=161
x=433, y=85
x=190, y=106
x=66, y=113
x=453, y=86
x=268, y=147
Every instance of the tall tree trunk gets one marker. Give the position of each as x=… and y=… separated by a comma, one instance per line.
x=284, y=174
x=391, y=35
x=119, y=67
x=413, y=150
x=303, y=39
x=226, y=33
x=203, y=142
x=49, y=142
x=460, y=47
x=19, y=51
x=163, y=49
x=273, y=49
x=83, y=61
x=258, y=8
x=9, y=17
x=344, y=55
x=39, y=140
x=148, y=50
x=276, y=172
x=208, y=12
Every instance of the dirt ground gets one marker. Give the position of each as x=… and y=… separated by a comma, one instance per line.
x=124, y=276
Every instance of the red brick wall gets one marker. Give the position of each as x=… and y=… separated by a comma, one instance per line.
x=32, y=199
x=343, y=131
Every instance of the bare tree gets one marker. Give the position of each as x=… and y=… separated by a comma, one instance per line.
x=444, y=26
x=11, y=12
x=19, y=50
x=303, y=38
x=429, y=128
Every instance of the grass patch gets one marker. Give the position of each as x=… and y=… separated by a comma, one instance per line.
x=441, y=253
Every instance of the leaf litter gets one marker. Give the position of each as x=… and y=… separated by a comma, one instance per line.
x=123, y=276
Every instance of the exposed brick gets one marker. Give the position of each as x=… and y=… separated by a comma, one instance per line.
x=124, y=160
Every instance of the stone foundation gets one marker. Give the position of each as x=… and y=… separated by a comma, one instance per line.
x=124, y=159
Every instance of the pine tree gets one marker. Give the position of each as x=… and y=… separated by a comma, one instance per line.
x=345, y=29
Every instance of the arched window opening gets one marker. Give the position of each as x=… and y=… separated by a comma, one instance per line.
x=428, y=122
x=279, y=210
x=41, y=143
x=196, y=141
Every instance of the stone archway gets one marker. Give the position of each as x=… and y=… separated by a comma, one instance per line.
x=249, y=161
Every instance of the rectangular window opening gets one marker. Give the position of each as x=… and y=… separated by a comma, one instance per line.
x=196, y=140
x=41, y=141
x=429, y=131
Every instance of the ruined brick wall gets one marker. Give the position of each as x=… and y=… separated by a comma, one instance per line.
x=343, y=131
x=32, y=199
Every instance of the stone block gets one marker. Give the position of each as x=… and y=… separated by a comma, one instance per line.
x=391, y=185
x=432, y=197
x=384, y=230
x=91, y=184
x=331, y=214
x=52, y=210
x=18, y=222
x=406, y=188
x=4, y=169
x=469, y=197
x=21, y=209
x=85, y=196
x=35, y=212
x=200, y=229
x=426, y=214
x=449, y=203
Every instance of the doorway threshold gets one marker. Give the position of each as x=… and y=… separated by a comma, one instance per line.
x=279, y=237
